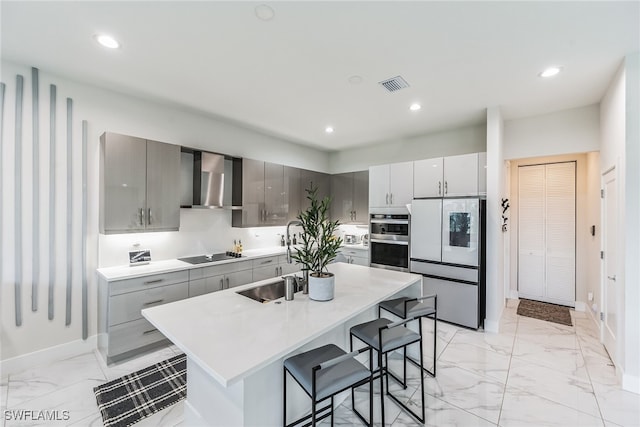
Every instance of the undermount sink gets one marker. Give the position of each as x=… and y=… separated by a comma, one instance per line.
x=265, y=293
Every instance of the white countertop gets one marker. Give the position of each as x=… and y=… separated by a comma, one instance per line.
x=121, y=272
x=231, y=336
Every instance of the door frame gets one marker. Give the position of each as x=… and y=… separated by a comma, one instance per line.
x=614, y=342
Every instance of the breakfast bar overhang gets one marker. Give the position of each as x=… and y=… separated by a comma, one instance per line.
x=235, y=345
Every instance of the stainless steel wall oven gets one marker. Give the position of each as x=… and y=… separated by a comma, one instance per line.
x=389, y=241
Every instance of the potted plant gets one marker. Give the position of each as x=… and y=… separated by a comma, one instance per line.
x=319, y=245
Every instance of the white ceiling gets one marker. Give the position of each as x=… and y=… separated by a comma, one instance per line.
x=289, y=76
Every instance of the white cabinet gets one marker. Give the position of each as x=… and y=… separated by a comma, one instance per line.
x=452, y=176
x=390, y=185
x=358, y=255
x=482, y=174
x=428, y=178
x=461, y=175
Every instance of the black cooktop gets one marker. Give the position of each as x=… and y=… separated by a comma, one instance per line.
x=201, y=259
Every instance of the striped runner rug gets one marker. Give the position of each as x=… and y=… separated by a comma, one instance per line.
x=128, y=399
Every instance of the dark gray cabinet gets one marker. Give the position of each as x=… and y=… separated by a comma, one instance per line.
x=319, y=179
x=264, y=200
x=350, y=197
x=139, y=185
x=272, y=194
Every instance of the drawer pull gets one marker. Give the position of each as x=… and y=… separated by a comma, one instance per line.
x=267, y=261
x=153, y=302
x=150, y=282
x=150, y=331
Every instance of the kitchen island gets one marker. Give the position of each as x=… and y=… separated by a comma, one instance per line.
x=235, y=345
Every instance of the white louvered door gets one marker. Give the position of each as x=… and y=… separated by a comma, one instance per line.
x=546, y=232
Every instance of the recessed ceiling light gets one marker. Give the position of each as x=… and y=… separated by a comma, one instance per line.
x=107, y=41
x=328, y=129
x=264, y=12
x=355, y=80
x=415, y=106
x=550, y=72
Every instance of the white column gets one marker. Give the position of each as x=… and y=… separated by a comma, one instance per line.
x=495, y=237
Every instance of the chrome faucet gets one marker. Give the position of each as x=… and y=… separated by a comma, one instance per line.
x=289, y=224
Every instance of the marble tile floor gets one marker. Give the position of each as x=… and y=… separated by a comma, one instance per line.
x=533, y=373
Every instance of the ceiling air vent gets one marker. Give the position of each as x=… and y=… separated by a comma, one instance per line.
x=394, y=84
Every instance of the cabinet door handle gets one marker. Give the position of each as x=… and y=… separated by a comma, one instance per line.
x=150, y=331
x=439, y=188
x=141, y=216
x=267, y=261
x=151, y=282
x=446, y=189
x=612, y=277
x=227, y=280
x=158, y=301
x=149, y=216
x=386, y=202
x=221, y=283
x=391, y=199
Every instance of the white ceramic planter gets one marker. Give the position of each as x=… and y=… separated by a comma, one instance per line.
x=322, y=288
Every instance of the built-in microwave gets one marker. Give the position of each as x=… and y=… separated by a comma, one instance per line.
x=389, y=241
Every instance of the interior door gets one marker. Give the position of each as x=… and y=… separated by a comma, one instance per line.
x=547, y=233
x=531, y=244
x=610, y=303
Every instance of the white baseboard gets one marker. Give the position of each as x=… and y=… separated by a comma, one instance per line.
x=492, y=326
x=580, y=306
x=47, y=355
x=513, y=294
x=631, y=383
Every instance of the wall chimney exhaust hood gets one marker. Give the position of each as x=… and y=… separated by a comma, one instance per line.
x=206, y=179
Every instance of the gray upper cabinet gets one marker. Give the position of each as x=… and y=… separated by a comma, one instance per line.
x=264, y=200
x=275, y=212
x=139, y=185
x=318, y=179
x=292, y=191
x=350, y=197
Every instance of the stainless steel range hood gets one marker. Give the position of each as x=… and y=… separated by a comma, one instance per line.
x=206, y=179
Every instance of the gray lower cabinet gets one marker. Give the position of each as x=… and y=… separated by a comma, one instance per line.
x=215, y=278
x=265, y=268
x=139, y=185
x=122, y=331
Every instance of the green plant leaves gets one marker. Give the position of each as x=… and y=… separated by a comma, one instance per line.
x=319, y=245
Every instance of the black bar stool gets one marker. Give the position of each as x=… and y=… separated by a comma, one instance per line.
x=322, y=373
x=417, y=308
x=384, y=336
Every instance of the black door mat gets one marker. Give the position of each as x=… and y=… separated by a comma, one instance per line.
x=128, y=399
x=545, y=311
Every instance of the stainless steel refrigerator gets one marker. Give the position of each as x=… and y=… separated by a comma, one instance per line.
x=448, y=249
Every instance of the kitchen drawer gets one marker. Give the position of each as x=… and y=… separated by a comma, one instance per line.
x=265, y=262
x=126, y=307
x=267, y=272
x=132, y=335
x=448, y=271
x=361, y=251
x=230, y=267
x=147, y=282
x=457, y=302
